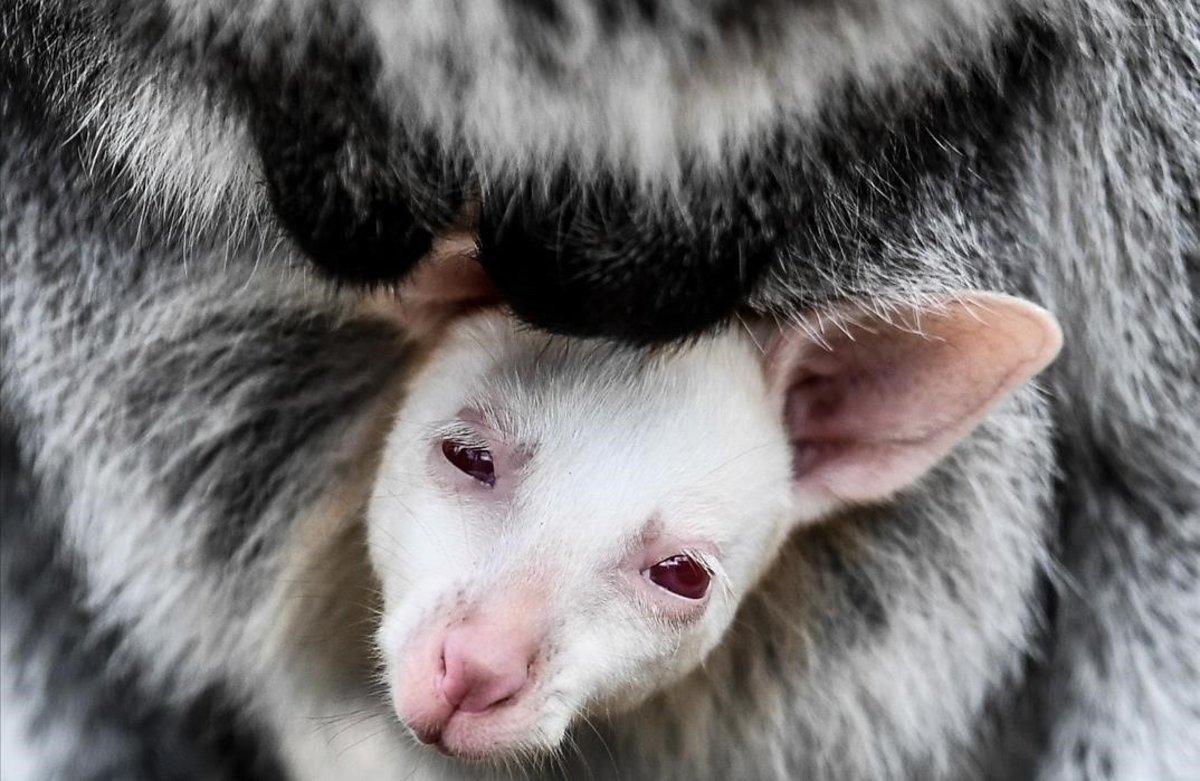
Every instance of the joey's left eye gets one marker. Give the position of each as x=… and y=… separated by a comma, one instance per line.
x=681, y=575
x=474, y=461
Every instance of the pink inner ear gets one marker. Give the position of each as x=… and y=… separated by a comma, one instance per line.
x=880, y=403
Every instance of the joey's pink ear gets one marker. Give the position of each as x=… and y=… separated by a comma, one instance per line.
x=875, y=402
x=447, y=283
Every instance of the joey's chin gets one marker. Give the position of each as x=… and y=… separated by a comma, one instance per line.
x=486, y=743
x=500, y=736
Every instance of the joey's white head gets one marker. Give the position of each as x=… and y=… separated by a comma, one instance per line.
x=565, y=526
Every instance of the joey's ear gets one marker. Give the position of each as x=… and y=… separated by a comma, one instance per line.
x=447, y=283
x=875, y=402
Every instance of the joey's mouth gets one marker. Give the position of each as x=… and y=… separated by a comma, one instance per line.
x=506, y=731
x=432, y=737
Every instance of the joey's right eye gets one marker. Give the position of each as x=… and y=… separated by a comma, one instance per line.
x=474, y=461
x=681, y=575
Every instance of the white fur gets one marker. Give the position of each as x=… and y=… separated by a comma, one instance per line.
x=690, y=440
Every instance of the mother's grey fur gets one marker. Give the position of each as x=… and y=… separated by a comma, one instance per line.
x=181, y=399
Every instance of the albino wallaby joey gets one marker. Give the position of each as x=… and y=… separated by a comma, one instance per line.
x=565, y=526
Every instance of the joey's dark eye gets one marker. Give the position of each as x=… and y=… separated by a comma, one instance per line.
x=474, y=461
x=681, y=575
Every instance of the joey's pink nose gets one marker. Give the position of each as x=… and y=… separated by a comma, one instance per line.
x=484, y=667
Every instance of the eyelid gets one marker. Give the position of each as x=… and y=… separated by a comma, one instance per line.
x=671, y=608
x=459, y=432
x=705, y=559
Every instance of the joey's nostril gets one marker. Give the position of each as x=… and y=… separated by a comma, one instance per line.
x=484, y=669
x=493, y=691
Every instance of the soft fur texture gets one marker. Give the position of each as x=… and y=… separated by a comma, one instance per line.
x=189, y=414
